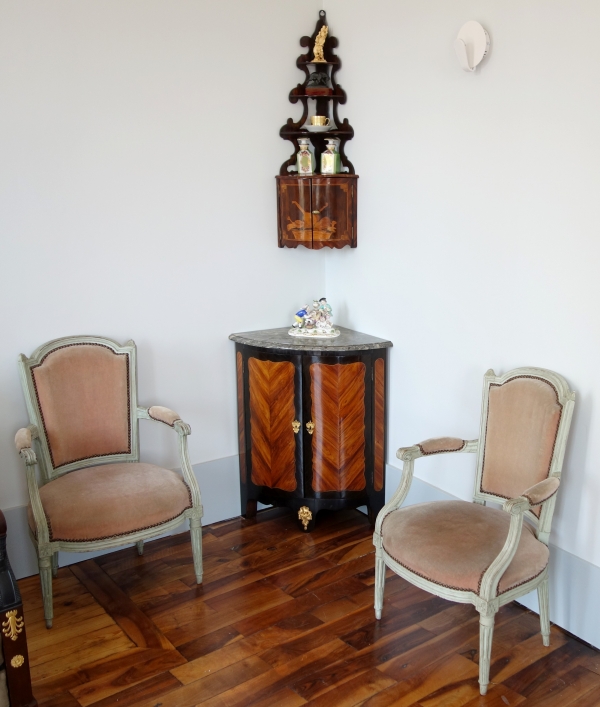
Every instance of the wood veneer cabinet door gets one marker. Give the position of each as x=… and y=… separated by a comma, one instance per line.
x=333, y=205
x=317, y=212
x=272, y=413
x=337, y=393
x=294, y=210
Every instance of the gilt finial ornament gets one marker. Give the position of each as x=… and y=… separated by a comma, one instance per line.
x=319, y=43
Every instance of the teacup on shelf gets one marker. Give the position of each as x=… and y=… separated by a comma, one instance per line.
x=318, y=124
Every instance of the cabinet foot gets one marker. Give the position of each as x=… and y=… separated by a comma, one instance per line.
x=372, y=516
x=250, y=509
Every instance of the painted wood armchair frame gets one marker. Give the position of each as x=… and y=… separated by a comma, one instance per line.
x=33, y=446
x=487, y=602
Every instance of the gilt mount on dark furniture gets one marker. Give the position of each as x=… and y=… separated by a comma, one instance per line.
x=311, y=422
x=317, y=211
x=13, y=637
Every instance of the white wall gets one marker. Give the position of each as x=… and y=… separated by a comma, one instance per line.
x=138, y=148
x=138, y=152
x=478, y=219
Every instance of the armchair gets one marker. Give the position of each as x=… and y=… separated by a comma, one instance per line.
x=93, y=492
x=469, y=553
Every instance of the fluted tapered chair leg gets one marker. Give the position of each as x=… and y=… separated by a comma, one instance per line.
x=196, y=536
x=379, y=582
x=55, y=564
x=544, y=602
x=45, y=564
x=486, y=633
x=140, y=547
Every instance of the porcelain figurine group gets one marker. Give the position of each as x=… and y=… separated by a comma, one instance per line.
x=314, y=321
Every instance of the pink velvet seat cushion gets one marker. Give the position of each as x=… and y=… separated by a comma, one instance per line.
x=452, y=543
x=115, y=499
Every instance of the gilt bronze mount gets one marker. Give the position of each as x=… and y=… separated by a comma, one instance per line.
x=305, y=516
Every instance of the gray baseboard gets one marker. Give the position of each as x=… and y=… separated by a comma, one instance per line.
x=573, y=582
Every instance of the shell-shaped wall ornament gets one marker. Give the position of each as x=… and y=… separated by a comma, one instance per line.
x=471, y=45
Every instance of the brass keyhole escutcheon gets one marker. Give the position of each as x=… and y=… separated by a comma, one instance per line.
x=310, y=427
x=296, y=426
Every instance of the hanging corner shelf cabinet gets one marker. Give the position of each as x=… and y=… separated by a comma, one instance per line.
x=317, y=210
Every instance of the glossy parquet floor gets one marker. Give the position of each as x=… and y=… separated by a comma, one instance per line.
x=284, y=619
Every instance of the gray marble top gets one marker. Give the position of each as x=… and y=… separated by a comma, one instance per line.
x=348, y=340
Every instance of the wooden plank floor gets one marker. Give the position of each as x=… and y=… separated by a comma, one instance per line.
x=283, y=618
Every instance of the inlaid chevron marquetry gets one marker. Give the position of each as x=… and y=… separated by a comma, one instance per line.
x=338, y=412
x=241, y=415
x=379, y=424
x=272, y=412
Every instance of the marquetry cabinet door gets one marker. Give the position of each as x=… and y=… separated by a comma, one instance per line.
x=340, y=414
x=294, y=198
x=274, y=425
x=317, y=212
x=333, y=209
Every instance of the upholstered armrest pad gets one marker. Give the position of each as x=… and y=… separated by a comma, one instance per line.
x=162, y=414
x=440, y=445
x=23, y=439
x=542, y=491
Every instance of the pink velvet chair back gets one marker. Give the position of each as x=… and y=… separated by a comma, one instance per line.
x=523, y=416
x=82, y=394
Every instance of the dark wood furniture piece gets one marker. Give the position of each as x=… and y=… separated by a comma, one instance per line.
x=14, y=640
x=318, y=211
x=311, y=421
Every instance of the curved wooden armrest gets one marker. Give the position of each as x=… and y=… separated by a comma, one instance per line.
x=516, y=507
x=23, y=439
x=534, y=496
x=408, y=454
x=441, y=445
x=437, y=445
x=169, y=417
x=163, y=414
x=542, y=491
